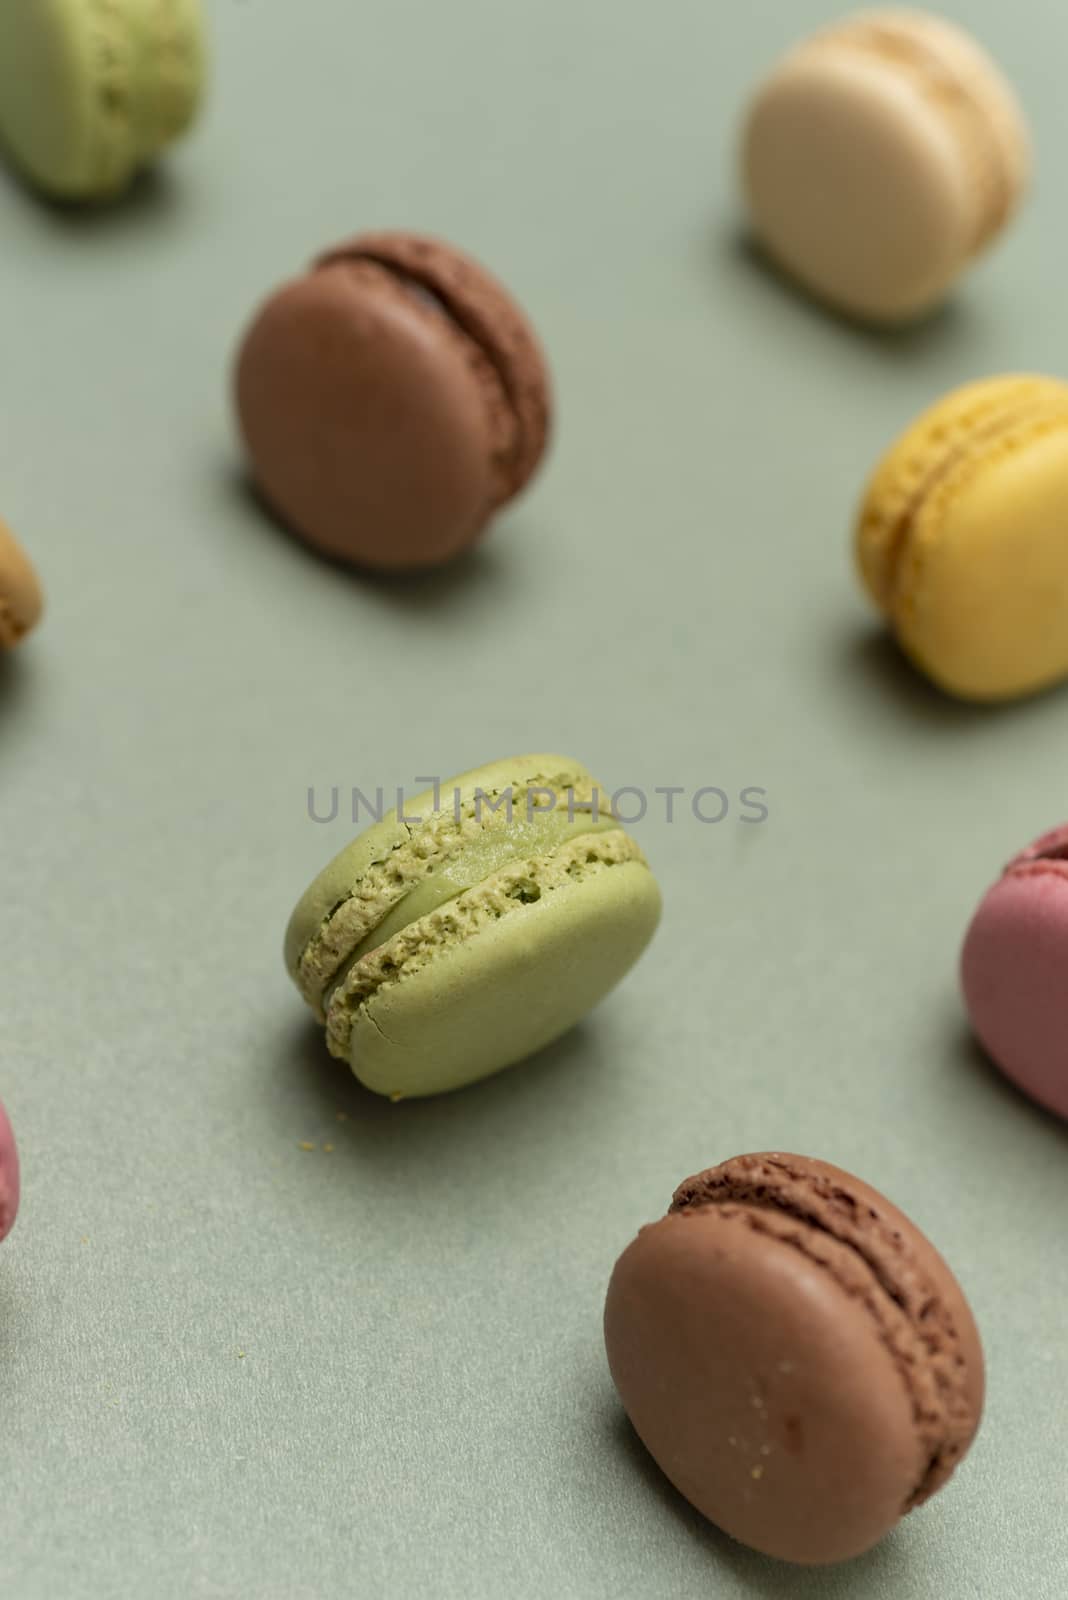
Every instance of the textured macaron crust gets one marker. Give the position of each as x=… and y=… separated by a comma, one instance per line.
x=91, y=91
x=9, y=1176
x=1014, y=971
x=960, y=538
x=795, y=1355
x=20, y=592
x=880, y=157
x=453, y=941
x=392, y=399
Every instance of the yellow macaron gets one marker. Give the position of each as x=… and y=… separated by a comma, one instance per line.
x=962, y=538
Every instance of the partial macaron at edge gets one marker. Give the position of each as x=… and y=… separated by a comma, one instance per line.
x=21, y=600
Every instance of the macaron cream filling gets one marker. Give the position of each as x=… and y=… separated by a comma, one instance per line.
x=912, y=1319
x=497, y=847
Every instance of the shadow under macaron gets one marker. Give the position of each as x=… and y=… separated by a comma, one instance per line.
x=945, y=330
x=762, y=1576
x=153, y=195
x=476, y=575
x=557, y=1088
x=16, y=670
x=969, y=1061
x=870, y=658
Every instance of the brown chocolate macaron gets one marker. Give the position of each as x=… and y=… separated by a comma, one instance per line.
x=795, y=1355
x=20, y=592
x=391, y=400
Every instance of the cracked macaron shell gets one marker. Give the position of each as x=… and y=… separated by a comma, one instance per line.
x=21, y=601
x=959, y=538
x=880, y=157
x=92, y=90
x=9, y=1176
x=391, y=399
x=370, y=876
x=497, y=974
x=1014, y=971
x=795, y=1354
x=528, y=923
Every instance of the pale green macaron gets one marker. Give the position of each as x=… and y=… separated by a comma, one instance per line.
x=92, y=90
x=459, y=938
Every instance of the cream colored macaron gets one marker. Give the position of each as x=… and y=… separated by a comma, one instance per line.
x=880, y=158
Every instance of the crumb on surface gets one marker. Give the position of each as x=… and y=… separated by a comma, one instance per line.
x=305, y=1144
x=756, y=1472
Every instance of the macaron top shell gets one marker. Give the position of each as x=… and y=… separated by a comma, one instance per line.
x=391, y=399
x=20, y=592
x=880, y=157
x=91, y=91
x=9, y=1176
x=795, y=1355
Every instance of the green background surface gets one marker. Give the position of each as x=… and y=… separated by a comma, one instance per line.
x=231, y=1367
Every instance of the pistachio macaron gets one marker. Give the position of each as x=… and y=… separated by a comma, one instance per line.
x=91, y=91
x=880, y=158
x=471, y=927
x=21, y=601
x=960, y=538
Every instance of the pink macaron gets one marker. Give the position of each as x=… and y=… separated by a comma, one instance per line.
x=9, y=1176
x=1014, y=970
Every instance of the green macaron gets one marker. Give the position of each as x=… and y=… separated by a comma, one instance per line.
x=92, y=90
x=457, y=936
